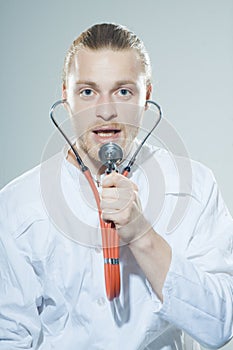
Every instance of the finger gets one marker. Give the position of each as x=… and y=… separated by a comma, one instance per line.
x=117, y=180
x=110, y=193
x=116, y=216
x=116, y=193
x=109, y=204
x=121, y=204
x=121, y=217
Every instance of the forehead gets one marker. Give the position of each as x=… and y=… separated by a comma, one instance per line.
x=91, y=64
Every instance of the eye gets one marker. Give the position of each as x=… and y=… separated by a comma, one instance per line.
x=124, y=92
x=86, y=92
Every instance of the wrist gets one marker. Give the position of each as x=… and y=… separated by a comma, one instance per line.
x=145, y=241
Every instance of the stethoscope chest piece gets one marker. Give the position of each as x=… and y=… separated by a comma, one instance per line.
x=110, y=155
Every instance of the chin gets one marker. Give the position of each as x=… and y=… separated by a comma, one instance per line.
x=91, y=148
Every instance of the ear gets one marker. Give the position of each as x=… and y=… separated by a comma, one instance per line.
x=64, y=93
x=64, y=97
x=148, y=94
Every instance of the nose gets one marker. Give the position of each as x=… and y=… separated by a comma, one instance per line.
x=106, y=110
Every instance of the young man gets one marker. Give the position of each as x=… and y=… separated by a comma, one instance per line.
x=174, y=287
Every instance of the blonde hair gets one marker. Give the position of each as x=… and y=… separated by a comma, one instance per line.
x=110, y=36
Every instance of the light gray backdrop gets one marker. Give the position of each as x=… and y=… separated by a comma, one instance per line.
x=191, y=46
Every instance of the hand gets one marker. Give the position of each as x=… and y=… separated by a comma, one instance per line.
x=120, y=203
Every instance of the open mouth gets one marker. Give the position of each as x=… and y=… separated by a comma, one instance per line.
x=106, y=132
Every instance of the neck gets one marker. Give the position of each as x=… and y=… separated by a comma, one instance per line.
x=95, y=167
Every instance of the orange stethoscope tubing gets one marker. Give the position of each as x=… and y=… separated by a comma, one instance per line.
x=110, y=245
x=110, y=238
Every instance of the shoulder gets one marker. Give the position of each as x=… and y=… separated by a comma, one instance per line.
x=23, y=188
x=20, y=201
x=182, y=175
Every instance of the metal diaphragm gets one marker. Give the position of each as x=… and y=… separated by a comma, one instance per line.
x=110, y=154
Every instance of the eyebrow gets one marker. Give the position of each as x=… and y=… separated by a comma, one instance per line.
x=117, y=83
x=86, y=82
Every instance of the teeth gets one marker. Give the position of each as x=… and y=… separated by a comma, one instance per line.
x=105, y=134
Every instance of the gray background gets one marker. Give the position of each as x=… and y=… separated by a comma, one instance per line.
x=191, y=47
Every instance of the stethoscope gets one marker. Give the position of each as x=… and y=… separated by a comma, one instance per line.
x=110, y=155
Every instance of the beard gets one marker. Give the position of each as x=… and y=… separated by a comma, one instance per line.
x=89, y=148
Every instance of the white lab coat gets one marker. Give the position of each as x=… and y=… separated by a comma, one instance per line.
x=52, y=292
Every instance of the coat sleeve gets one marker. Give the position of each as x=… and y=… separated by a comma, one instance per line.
x=20, y=326
x=198, y=290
